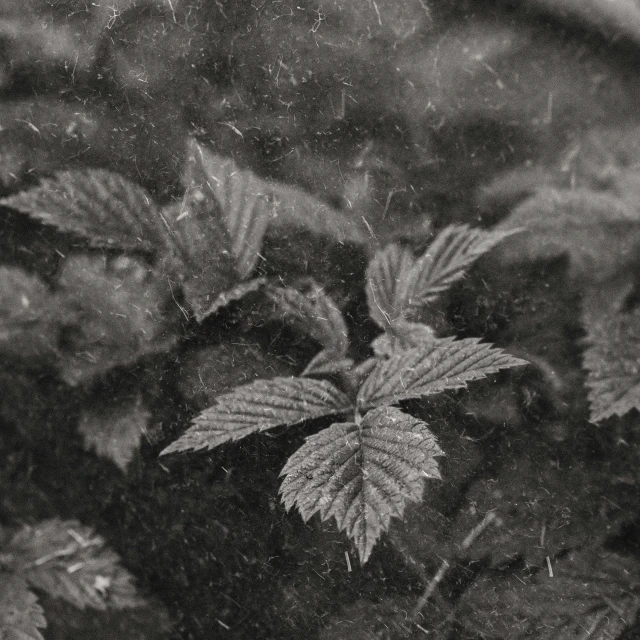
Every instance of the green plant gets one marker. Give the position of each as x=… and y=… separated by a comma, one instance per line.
x=363, y=470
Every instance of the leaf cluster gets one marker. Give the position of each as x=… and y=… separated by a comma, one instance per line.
x=138, y=270
x=362, y=470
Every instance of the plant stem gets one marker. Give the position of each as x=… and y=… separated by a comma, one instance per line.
x=429, y=590
x=474, y=534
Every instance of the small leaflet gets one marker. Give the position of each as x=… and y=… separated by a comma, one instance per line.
x=402, y=335
x=591, y=594
x=113, y=429
x=314, y=313
x=612, y=353
x=435, y=367
x=383, y=274
x=362, y=475
x=70, y=561
x=399, y=285
x=258, y=406
x=21, y=616
x=241, y=199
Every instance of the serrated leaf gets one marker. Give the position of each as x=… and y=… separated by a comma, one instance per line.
x=103, y=207
x=20, y=614
x=244, y=208
x=242, y=199
x=198, y=258
x=383, y=273
x=314, y=313
x=114, y=429
x=253, y=208
x=401, y=335
x=590, y=595
x=612, y=356
x=362, y=475
x=122, y=312
x=258, y=406
x=599, y=231
x=435, y=367
x=70, y=561
x=399, y=285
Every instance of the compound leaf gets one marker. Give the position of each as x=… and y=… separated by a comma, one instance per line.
x=314, y=313
x=399, y=285
x=585, y=595
x=103, y=207
x=432, y=368
x=613, y=352
x=68, y=560
x=362, y=475
x=258, y=406
x=114, y=429
x=20, y=614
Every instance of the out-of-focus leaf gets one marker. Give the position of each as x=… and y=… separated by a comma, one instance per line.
x=293, y=209
x=433, y=368
x=600, y=232
x=123, y=313
x=611, y=18
x=114, y=429
x=241, y=199
x=541, y=509
x=362, y=475
x=258, y=406
x=70, y=561
x=582, y=595
x=20, y=614
x=57, y=41
x=612, y=355
x=29, y=317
